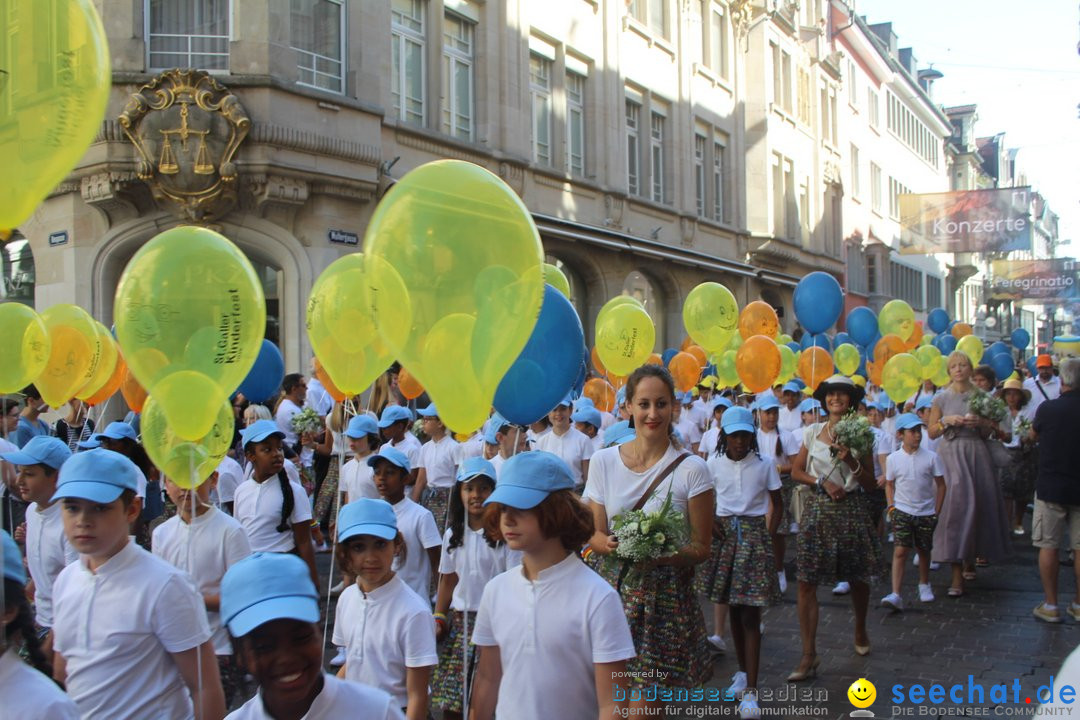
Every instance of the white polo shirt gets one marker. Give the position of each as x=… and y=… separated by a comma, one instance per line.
x=884, y=444
x=709, y=439
x=914, y=475
x=617, y=488
x=286, y=411
x=439, y=460
x=1052, y=389
x=688, y=431
x=115, y=629
x=573, y=446
x=417, y=525
x=790, y=420
x=338, y=699
x=258, y=508
x=47, y=553
x=474, y=562
x=411, y=446
x=29, y=695
x=766, y=442
x=291, y=472
x=497, y=462
x=384, y=632
x=551, y=632
x=742, y=488
x=473, y=447
x=204, y=549
x=357, y=480
x=230, y=475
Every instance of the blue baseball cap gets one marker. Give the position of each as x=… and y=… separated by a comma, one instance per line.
x=429, y=411
x=583, y=402
x=588, y=415
x=568, y=401
x=721, y=402
x=367, y=516
x=393, y=414
x=884, y=402
x=737, y=419
x=766, y=402
x=907, y=421
x=361, y=426
x=264, y=587
x=114, y=431
x=791, y=387
x=686, y=398
x=13, y=565
x=98, y=475
x=475, y=467
x=40, y=450
x=620, y=396
x=618, y=433
x=391, y=455
x=529, y=477
x=810, y=405
x=924, y=401
x=259, y=431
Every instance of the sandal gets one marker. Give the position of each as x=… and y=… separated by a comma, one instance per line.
x=968, y=574
x=956, y=592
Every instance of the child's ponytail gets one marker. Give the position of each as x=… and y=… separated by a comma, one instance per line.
x=23, y=624
x=288, y=502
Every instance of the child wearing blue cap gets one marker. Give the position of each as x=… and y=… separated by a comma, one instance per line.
x=915, y=490
x=27, y=689
x=684, y=425
x=552, y=636
x=780, y=447
x=47, y=549
x=385, y=627
x=588, y=421
x=362, y=436
x=711, y=437
x=131, y=637
x=271, y=609
x=569, y=443
x=741, y=569
x=509, y=440
x=470, y=558
x=438, y=463
x=394, y=425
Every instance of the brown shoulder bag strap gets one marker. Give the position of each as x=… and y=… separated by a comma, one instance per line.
x=659, y=479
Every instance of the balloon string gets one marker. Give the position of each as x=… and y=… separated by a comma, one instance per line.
x=517, y=441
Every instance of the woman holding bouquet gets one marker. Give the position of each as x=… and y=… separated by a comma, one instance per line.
x=972, y=520
x=837, y=538
x=642, y=474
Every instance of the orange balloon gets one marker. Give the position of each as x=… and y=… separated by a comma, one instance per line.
x=887, y=347
x=698, y=352
x=133, y=392
x=685, y=370
x=408, y=385
x=617, y=381
x=686, y=343
x=328, y=384
x=959, y=330
x=758, y=363
x=601, y=393
x=815, y=364
x=758, y=318
x=655, y=359
x=111, y=385
x=916, y=336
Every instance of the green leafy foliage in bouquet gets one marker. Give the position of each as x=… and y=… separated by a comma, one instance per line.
x=987, y=406
x=645, y=536
x=307, y=421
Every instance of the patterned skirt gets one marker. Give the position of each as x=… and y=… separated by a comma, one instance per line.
x=328, y=491
x=741, y=570
x=437, y=500
x=1018, y=477
x=838, y=541
x=666, y=624
x=788, y=519
x=447, y=684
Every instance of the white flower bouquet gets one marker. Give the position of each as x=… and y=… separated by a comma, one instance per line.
x=987, y=406
x=647, y=536
x=854, y=432
x=307, y=421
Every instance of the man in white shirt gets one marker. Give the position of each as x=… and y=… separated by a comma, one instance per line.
x=295, y=389
x=318, y=399
x=1044, y=386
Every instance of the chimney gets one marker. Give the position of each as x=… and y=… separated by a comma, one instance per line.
x=907, y=59
x=885, y=32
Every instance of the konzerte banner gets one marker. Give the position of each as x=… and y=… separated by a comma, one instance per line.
x=996, y=220
x=1044, y=281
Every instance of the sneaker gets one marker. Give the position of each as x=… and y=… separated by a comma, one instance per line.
x=926, y=593
x=738, y=684
x=935, y=565
x=1042, y=613
x=1074, y=611
x=1018, y=531
x=842, y=588
x=718, y=642
x=337, y=589
x=783, y=581
x=894, y=601
x=748, y=708
x=338, y=659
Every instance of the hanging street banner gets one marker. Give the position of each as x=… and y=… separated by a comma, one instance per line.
x=995, y=220
x=1037, y=281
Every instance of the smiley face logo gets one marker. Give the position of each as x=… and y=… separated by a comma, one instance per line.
x=862, y=693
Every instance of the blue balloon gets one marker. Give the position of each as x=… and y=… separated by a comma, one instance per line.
x=842, y=338
x=821, y=340
x=937, y=320
x=818, y=302
x=1031, y=365
x=264, y=379
x=1021, y=338
x=795, y=347
x=862, y=325
x=583, y=374
x=549, y=365
x=997, y=348
x=668, y=354
x=1003, y=365
x=945, y=343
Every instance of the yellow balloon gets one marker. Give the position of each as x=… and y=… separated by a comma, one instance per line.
x=941, y=377
x=859, y=380
x=783, y=339
x=102, y=365
x=190, y=302
x=972, y=347
x=555, y=277
x=453, y=241
x=928, y=357
x=26, y=346
x=187, y=463
x=727, y=372
x=625, y=338
x=897, y=318
x=56, y=82
x=789, y=364
x=711, y=316
x=341, y=326
x=847, y=358
x=74, y=338
x=901, y=377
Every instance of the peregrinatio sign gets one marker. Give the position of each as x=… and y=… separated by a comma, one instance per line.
x=995, y=220
x=1045, y=281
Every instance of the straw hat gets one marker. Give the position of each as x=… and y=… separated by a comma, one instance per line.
x=1012, y=384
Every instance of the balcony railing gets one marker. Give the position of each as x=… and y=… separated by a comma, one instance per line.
x=205, y=52
x=319, y=71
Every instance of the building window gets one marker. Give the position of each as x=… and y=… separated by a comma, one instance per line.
x=650, y=13
x=633, y=147
x=700, y=142
x=871, y=273
x=804, y=214
x=785, y=79
x=188, y=34
x=575, y=123
x=640, y=287
x=715, y=40
x=777, y=82
x=803, y=93
x=896, y=189
x=873, y=109
x=856, y=185
x=540, y=89
x=911, y=131
x=407, y=60
x=875, y=188
x=656, y=153
x=853, y=85
x=785, y=204
x=457, y=77
x=719, y=180
x=856, y=268
x=316, y=36
x=907, y=284
x=933, y=291
x=18, y=271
